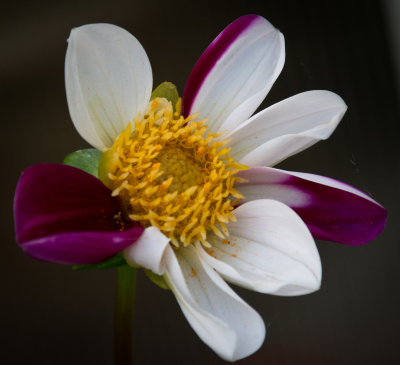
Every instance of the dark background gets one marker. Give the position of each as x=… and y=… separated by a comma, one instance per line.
x=53, y=315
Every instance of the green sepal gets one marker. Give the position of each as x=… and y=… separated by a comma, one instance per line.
x=168, y=91
x=157, y=279
x=114, y=261
x=86, y=160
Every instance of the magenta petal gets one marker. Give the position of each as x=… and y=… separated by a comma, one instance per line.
x=63, y=214
x=53, y=198
x=80, y=248
x=211, y=56
x=332, y=210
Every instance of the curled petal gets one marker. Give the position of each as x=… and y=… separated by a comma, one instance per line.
x=332, y=210
x=235, y=73
x=148, y=251
x=108, y=81
x=219, y=317
x=80, y=248
x=65, y=215
x=270, y=250
x=287, y=128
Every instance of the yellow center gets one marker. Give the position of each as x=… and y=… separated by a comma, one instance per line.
x=174, y=174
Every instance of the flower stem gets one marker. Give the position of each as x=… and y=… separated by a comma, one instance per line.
x=123, y=316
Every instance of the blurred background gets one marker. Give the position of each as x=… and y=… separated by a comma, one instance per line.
x=50, y=314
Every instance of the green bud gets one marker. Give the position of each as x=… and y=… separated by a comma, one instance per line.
x=168, y=91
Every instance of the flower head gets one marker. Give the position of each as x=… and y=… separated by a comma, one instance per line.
x=192, y=196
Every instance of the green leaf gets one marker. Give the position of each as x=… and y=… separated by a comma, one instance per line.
x=86, y=160
x=114, y=261
x=168, y=91
x=157, y=279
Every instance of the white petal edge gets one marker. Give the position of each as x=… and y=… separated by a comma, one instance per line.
x=287, y=128
x=148, y=251
x=108, y=81
x=270, y=250
x=242, y=77
x=217, y=314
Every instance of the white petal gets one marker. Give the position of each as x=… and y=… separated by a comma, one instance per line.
x=108, y=81
x=220, y=318
x=148, y=251
x=287, y=128
x=269, y=250
x=237, y=82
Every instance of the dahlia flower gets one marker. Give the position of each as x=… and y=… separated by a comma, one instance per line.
x=186, y=189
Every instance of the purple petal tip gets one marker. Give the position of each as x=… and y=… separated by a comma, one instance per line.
x=332, y=210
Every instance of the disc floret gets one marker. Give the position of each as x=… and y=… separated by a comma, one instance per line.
x=171, y=172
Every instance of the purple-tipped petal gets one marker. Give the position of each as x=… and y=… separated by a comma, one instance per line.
x=332, y=210
x=53, y=198
x=80, y=248
x=63, y=214
x=235, y=73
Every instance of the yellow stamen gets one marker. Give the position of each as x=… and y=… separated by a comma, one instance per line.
x=172, y=173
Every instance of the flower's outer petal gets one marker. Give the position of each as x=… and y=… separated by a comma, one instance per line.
x=221, y=319
x=235, y=73
x=270, y=250
x=287, y=128
x=108, y=81
x=80, y=248
x=65, y=215
x=54, y=198
x=332, y=210
x=148, y=251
